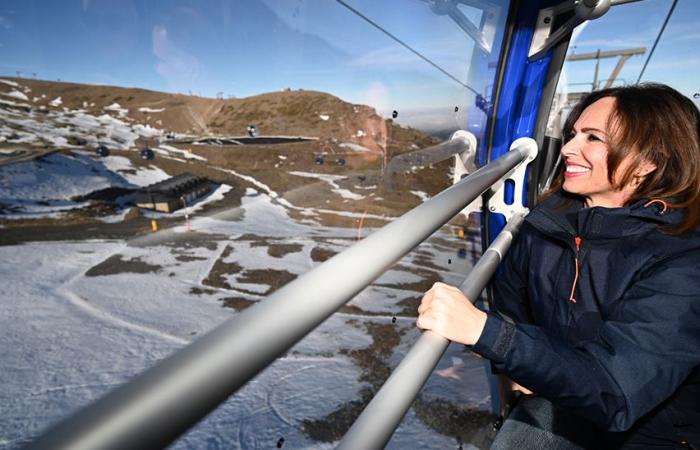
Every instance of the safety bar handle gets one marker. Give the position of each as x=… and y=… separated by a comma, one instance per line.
x=380, y=418
x=159, y=405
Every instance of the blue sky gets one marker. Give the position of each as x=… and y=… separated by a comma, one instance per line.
x=246, y=47
x=676, y=60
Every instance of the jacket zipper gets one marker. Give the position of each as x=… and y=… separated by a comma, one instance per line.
x=577, y=241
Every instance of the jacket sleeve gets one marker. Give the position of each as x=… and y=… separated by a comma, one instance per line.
x=639, y=360
x=510, y=282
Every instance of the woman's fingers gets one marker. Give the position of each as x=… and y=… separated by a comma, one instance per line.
x=445, y=310
x=425, y=301
x=425, y=322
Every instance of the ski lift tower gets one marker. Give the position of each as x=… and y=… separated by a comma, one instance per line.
x=624, y=55
x=564, y=101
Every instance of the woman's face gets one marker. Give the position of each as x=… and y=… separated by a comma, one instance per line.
x=585, y=158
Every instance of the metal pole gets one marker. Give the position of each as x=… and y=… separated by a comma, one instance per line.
x=374, y=427
x=159, y=405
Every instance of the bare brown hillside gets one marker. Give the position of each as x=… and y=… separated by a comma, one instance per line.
x=289, y=113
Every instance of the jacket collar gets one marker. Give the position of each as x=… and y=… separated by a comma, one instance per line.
x=565, y=216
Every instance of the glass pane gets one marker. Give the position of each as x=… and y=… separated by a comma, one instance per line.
x=614, y=49
x=166, y=165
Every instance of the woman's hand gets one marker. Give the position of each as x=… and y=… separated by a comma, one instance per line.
x=447, y=312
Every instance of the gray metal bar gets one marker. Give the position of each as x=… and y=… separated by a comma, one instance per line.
x=162, y=403
x=421, y=158
x=374, y=427
x=606, y=54
x=622, y=2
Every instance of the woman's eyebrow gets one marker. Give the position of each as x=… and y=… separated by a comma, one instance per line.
x=589, y=129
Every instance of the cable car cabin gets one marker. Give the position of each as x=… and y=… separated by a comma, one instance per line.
x=283, y=313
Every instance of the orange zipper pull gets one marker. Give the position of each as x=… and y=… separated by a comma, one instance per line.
x=578, y=241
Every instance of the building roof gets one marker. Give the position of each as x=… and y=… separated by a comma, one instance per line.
x=175, y=185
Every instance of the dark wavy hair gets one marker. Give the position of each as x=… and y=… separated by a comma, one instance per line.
x=656, y=123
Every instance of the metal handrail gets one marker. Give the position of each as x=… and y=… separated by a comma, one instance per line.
x=375, y=426
x=159, y=405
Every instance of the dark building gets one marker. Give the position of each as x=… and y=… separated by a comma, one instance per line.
x=174, y=193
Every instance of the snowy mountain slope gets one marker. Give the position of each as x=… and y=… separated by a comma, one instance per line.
x=79, y=318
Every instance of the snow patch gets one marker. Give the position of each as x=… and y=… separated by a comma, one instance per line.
x=17, y=94
x=122, y=112
x=56, y=102
x=143, y=176
x=167, y=149
x=422, y=195
x=331, y=180
x=324, y=116
x=251, y=180
x=145, y=109
x=355, y=147
x=45, y=187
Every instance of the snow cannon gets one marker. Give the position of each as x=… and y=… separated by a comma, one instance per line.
x=252, y=131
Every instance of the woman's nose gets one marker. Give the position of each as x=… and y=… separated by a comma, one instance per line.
x=570, y=148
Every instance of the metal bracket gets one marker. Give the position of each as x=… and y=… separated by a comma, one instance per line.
x=496, y=199
x=464, y=164
x=484, y=37
x=544, y=38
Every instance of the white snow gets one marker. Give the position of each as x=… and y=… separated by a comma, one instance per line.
x=42, y=188
x=17, y=94
x=251, y=180
x=11, y=83
x=56, y=127
x=122, y=112
x=11, y=103
x=143, y=177
x=214, y=196
x=355, y=147
x=324, y=116
x=56, y=102
x=331, y=180
x=67, y=337
x=421, y=195
x=146, y=109
x=167, y=149
x=360, y=133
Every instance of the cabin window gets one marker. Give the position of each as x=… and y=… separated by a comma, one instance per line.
x=165, y=165
x=616, y=50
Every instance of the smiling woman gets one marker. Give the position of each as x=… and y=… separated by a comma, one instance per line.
x=628, y=144
x=595, y=309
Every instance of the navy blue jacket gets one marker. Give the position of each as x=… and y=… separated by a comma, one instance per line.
x=623, y=353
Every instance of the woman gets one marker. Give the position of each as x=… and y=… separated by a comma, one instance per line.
x=597, y=306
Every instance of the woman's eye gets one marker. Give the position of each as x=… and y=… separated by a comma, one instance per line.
x=592, y=137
